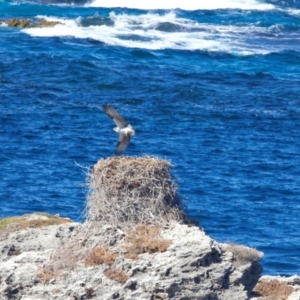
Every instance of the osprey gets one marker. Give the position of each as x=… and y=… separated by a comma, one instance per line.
x=124, y=129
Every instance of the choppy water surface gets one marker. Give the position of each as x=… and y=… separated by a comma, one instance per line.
x=212, y=87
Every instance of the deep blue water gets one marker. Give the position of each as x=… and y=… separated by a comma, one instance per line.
x=213, y=89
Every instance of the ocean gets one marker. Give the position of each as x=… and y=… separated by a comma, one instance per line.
x=213, y=87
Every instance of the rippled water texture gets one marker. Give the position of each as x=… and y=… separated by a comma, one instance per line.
x=214, y=89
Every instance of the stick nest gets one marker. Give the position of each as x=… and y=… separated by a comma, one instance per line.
x=125, y=191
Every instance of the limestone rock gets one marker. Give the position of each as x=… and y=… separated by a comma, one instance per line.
x=18, y=23
x=45, y=23
x=278, y=288
x=194, y=266
x=24, y=23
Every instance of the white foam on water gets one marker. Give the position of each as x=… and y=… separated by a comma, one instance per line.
x=141, y=31
x=183, y=4
x=292, y=12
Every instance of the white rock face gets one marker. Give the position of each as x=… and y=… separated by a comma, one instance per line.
x=193, y=267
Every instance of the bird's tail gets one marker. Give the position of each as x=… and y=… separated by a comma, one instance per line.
x=132, y=130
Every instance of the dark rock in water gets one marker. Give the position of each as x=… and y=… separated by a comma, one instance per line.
x=18, y=23
x=24, y=23
x=97, y=21
x=45, y=23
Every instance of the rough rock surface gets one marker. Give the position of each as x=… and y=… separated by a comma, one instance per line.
x=193, y=267
x=278, y=288
x=25, y=23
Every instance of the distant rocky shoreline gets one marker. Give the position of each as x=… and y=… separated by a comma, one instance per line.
x=25, y=23
x=136, y=243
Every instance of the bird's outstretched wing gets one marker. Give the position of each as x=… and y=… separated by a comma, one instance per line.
x=124, y=140
x=114, y=115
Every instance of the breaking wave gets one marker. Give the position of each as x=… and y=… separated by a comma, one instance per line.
x=183, y=4
x=155, y=31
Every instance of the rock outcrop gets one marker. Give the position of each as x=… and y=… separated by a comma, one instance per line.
x=278, y=288
x=123, y=256
x=25, y=23
x=194, y=266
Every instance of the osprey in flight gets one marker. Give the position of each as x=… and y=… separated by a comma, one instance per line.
x=124, y=129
